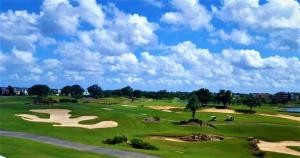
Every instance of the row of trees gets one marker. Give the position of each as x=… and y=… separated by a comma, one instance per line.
x=202, y=96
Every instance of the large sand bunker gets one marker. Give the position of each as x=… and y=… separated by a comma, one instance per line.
x=164, y=108
x=279, y=147
x=227, y=111
x=295, y=118
x=61, y=117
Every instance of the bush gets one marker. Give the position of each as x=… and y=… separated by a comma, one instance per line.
x=245, y=111
x=140, y=144
x=259, y=153
x=68, y=100
x=115, y=140
x=44, y=101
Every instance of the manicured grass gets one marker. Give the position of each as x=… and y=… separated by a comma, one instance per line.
x=295, y=148
x=22, y=148
x=131, y=124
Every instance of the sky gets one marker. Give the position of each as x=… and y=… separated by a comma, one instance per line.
x=177, y=45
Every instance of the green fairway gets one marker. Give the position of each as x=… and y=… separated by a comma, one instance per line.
x=131, y=124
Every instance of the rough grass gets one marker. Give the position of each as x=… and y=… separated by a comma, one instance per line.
x=22, y=148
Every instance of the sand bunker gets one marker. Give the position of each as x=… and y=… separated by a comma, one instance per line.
x=295, y=118
x=132, y=106
x=107, y=109
x=164, y=108
x=279, y=147
x=61, y=117
x=190, y=138
x=227, y=111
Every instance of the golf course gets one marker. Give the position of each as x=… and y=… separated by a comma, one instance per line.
x=90, y=122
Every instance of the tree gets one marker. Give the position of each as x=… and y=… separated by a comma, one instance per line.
x=39, y=89
x=66, y=90
x=126, y=91
x=0, y=91
x=203, y=95
x=251, y=102
x=95, y=91
x=10, y=90
x=137, y=93
x=76, y=91
x=224, y=97
x=193, y=105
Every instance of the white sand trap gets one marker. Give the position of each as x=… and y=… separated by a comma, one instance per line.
x=168, y=139
x=279, y=147
x=295, y=118
x=164, y=108
x=132, y=106
x=107, y=109
x=227, y=111
x=61, y=117
x=2, y=156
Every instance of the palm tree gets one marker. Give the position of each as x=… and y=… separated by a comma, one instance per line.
x=193, y=105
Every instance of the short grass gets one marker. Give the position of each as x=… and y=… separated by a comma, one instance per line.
x=131, y=124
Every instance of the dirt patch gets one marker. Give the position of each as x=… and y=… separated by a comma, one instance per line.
x=295, y=118
x=61, y=117
x=190, y=138
x=227, y=111
x=279, y=147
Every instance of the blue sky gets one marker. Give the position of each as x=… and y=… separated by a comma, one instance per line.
x=244, y=46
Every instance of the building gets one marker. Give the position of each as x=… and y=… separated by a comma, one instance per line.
x=17, y=91
x=295, y=95
x=55, y=92
x=282, y=97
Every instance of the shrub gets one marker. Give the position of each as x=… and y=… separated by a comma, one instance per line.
x=44, y=101
x=115, y=140
x=245, y=111
x=68, y=100
x=140, y=144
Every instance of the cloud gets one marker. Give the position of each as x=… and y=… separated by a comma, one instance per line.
x=52, y=63
x=58, y=17
x=12, y=34
x=133, y=29
x=189, y=13
x=155, y=3
x=279, y=20
x=92, y=13
x=236, y=36
x=250, y=13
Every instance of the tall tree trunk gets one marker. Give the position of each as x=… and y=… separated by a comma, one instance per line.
x=194, y=114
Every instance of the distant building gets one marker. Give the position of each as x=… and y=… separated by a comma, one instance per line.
x=86, y=93
x=282, y=97
x=56, y=92
x=295, y=95
x=17, y=91
x=265, y=96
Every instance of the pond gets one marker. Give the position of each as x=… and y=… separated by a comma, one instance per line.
x=295, y=109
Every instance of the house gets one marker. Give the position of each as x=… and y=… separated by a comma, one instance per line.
x=17, y=91
x=55, y=92
x=295, y=95
x=86, y=93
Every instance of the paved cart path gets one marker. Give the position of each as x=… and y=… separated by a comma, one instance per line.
x=76, y=146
